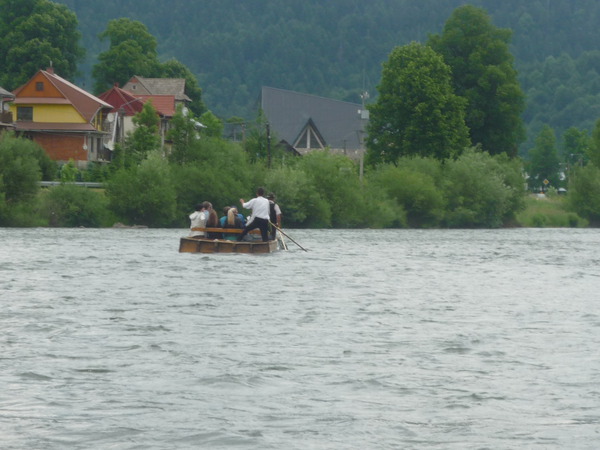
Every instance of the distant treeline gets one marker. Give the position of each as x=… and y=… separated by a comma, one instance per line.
x=335, y=48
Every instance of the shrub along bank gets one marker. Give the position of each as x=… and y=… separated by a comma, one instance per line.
x=319, y=190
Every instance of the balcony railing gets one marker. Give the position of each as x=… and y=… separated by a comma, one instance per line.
x=6, y=117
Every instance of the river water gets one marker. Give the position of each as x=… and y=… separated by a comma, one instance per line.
x=397, y=339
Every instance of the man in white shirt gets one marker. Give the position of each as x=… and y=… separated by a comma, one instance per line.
x=260, y=215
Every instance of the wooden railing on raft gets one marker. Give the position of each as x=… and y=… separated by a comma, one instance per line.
x=224, y=230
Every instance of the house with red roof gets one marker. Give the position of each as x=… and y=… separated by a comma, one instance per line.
x=65, y=120
x=126, y=104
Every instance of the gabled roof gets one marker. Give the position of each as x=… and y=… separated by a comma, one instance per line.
x=289, y=113
x=85, y=103
x=158, y=86
x=120, y=98
x=5, y=94
x=164, y=104
x=133, y=103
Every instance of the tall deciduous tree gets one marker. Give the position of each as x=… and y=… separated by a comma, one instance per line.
x=593, y=151
x=482, y=72
x=132, y=51
x=576, y=147
x=182, y=134
x=417, y=112
x=175, y=69
x=142, y=141
x=544, y=162
x=35, y=34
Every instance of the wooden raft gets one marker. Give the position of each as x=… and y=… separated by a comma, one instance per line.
x=204, y=245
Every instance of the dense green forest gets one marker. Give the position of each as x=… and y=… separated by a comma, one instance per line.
x=442, y=139
x=336, y=48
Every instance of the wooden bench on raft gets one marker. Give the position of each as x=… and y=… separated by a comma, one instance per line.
x=224, y=230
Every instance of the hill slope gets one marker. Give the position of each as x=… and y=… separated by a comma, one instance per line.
x=335, y=48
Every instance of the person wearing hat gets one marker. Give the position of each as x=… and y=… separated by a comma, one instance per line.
x=274, y=215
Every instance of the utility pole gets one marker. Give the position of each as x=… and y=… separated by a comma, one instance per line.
x=364, y=118
x=268, y=145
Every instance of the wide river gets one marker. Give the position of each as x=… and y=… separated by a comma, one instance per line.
x=394, y=339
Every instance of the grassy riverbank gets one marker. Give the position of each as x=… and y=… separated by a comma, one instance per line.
x=550, y=211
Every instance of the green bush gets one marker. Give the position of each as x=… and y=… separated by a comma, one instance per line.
x=301, y=203
x=413, y=191
x=584, y=193
x=144, y=194
x=539, y=220
x=335, y=178
x=481, y=190
x=68, y=205
x=22, y=165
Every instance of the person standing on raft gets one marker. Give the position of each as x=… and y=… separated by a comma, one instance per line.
x=260, y=215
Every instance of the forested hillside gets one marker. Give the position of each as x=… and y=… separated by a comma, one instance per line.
x=335, y=48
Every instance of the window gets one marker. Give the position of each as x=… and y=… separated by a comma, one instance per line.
x=39, y=86
x=309, y=138
x=25, y=113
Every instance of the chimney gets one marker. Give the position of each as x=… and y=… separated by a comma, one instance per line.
x=50, y=70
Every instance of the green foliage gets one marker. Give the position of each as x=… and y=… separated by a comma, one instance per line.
x=482, y=72
x=20, y=170
x=68, y=172
x=576, y=144
x=257, y=142
x=593, y=150
x=22, y=165
x=548, y=212
x=584, y=193
x=35, y=34
x=143, y=140
x=182, y=134
x=414, y=191
x=68, y=205
x=481, y=191
x=216, y=170
x=302, y=204
x=562, y=92
x=175, y=69
x=544, y=163
x=214, y=126
x=335, y=179
x=96, y=172
x=340, y=47
x=132, y=51
x=417, y=112
x=144, y=194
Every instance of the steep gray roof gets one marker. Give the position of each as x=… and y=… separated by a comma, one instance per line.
x=158, y=86
x=289, y=113
x=5, y=94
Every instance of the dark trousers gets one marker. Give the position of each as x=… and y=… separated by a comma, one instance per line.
x=263, y=224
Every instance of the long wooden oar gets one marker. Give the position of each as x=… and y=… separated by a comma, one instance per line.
x=281, y=231
x=282, y=241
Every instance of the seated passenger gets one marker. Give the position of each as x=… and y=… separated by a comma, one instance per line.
x=233, y=221
x=198, y=220
x=213, y=222
x=223, y=219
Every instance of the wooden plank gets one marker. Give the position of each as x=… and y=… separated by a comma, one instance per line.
x=224, y=230
x=203, y=245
